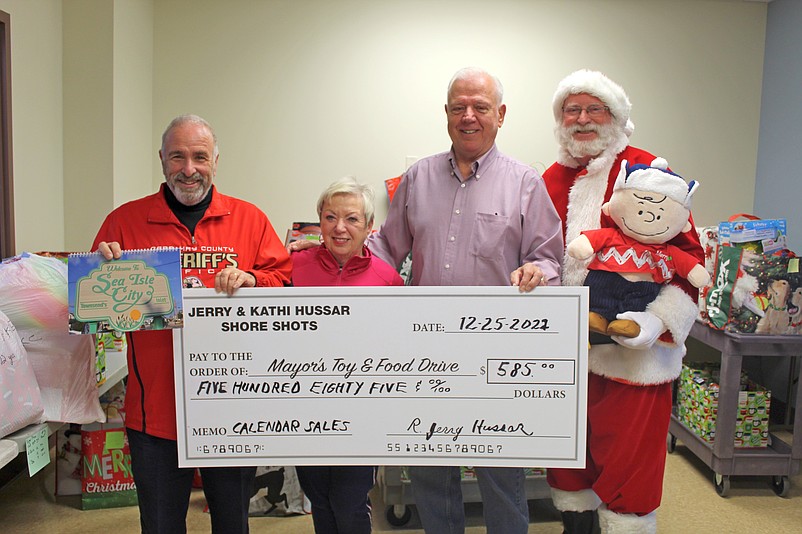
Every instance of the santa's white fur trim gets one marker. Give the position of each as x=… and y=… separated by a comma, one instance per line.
x=584, y=212
x=597, y=84
x=584, y=203
x=658, y=365
x=613, y=523
x=575, y=501
x=663, y=362
x=677, y=311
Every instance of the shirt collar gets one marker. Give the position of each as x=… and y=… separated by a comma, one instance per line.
x=478, y=166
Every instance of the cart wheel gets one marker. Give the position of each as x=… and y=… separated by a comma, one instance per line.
x=722, y=483
x=781, y=485
x=671, y=443
x=396, y=520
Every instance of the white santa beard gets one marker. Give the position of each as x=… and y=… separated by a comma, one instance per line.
x=605, y=134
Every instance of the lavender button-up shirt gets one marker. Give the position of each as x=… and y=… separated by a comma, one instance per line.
x=471, y=232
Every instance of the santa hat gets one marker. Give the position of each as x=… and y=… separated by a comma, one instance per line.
x=597, y=84
x=656, y=178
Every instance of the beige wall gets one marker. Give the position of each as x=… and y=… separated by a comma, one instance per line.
x=88, y=117
x=37, y=124
x=133, y=100
x=302, y=92
x=108, y=65
x=82, y=115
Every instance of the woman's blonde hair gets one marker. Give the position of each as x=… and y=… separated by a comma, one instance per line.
x=349, y=186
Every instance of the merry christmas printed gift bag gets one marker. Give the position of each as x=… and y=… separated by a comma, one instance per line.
x=756, y=293
x=106, y=478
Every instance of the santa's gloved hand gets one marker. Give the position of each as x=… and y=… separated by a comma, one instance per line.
x=650, y=329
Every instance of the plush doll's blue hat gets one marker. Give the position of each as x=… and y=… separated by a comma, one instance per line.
x=656, y=178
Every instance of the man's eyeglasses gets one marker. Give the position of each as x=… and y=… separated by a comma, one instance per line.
x=594, y=110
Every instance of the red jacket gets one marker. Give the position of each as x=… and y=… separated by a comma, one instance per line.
x=233, y=233
x=317, y=267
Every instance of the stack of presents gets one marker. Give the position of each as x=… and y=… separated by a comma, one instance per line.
x=756, y=285
x=697, y=406
x=756, y=288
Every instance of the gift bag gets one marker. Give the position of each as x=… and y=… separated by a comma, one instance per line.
x=106, y=478
x=708, y=237
x=33, y=292
x=64, y=366
x=68, y=460
x=755, y=293
x=277, y=491
x=20, y=396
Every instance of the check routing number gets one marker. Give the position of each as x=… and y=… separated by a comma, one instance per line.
x=481, y=376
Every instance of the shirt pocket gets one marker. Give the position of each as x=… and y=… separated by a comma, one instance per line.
x=487, y=239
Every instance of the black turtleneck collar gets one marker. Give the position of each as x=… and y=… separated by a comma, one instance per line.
x=188, y=215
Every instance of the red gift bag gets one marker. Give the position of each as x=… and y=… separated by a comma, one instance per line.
x=106, y=478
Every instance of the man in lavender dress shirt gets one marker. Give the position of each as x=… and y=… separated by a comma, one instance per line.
x=471, y=216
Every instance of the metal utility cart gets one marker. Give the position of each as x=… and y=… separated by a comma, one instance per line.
x=779, y=460
x=397, y=493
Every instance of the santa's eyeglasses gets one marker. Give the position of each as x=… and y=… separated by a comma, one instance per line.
x=594, y=110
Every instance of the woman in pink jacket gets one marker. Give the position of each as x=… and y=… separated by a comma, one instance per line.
x=339, y=494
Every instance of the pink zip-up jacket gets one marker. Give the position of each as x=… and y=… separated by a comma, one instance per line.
x=317, y=267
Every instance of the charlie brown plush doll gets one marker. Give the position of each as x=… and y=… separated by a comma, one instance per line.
x=650, y=206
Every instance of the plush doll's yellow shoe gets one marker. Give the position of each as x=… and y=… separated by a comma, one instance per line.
x=623, y=327
x=597, y=323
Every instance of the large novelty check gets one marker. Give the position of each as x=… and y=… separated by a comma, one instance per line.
x=481, y=376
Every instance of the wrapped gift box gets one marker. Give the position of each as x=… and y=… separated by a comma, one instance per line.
x=697, y=406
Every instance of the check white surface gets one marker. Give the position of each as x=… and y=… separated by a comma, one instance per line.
x=481, y=376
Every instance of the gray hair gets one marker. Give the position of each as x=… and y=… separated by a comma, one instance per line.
x=194, y=119
x=470, y=72
x=349, y=186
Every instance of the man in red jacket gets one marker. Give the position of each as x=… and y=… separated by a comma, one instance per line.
x=225, y=243
x=629, y=384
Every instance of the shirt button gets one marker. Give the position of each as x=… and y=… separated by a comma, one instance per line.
x=448, y=266
x=462, y=185
x=452, y=238
x=456, y=211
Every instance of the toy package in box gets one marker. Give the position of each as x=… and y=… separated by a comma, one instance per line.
x=697, y=406
x=758, y=235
